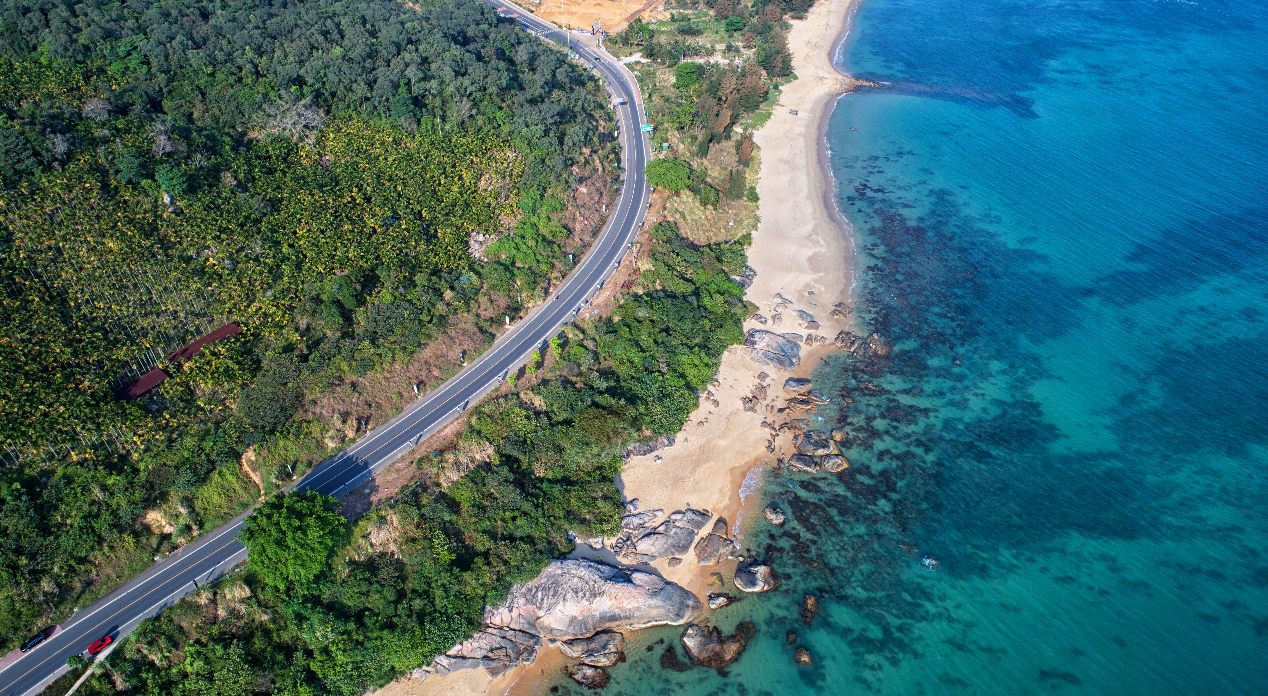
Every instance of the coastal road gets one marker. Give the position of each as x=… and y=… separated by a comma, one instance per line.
x=219, y=550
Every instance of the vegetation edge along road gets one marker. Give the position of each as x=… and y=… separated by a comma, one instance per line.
x=219, y=550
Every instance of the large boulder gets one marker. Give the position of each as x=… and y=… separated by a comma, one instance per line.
x=714, y=546
x=576, y=598
x=770, y=348
x=798, y=385
x=602, y=649
x=816, y=443
x=707, y=647
x=802, y=462
x=756, y=578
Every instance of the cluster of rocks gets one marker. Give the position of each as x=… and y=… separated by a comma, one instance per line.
x=874, y=346
x=578, y=605
x=802, y=395
x=644, y=539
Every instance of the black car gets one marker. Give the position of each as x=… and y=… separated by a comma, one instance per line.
x=33, y=641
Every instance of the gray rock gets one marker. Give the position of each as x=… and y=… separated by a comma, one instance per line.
x=774, y=515
x=802, y=462
x=756, y=578
x=794, y=337
x=797, y=385
x=602, y=649
x=759, y=319
x=816, y=442
x=781, y=351
x=805, y=316
x=674, y=562
x=631, y=505
x=712, y=548
x=834, y=463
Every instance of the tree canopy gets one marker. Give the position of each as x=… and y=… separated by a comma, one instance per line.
x=290, y=537
x=669, y=173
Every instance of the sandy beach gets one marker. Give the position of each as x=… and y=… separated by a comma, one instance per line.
x=802, y=251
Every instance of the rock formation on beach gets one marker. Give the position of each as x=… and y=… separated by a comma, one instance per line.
x=770, y=348
x=579, y=605
x=642, y=539
x=716, y=545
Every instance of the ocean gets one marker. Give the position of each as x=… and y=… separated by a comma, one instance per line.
x=1062, y=216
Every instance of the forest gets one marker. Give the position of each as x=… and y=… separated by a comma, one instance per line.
x=357, y=604
x=317, y=173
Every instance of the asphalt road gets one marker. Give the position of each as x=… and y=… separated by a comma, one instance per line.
x=218, y=551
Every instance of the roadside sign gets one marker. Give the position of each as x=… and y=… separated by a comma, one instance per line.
x=647, y=128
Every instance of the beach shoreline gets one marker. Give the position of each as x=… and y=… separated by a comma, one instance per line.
x=803, y=250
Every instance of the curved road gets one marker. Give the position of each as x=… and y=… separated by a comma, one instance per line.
x=219, y=550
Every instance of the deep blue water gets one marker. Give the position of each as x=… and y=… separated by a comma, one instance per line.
x=1062, y=209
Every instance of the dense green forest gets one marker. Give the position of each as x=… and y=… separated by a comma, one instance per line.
x=313, y=171
x=353, y=606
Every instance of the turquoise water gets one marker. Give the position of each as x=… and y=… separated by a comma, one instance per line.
x=1063, y=212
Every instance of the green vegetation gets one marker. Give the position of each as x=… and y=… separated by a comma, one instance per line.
x=670, y=174
x=417, y=573
x=319, y=173
x=290, y=538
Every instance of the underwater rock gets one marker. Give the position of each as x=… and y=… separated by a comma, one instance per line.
x=838, y=435
x=834, y=463
x=816, y=442
x=876, y=346
x=717, y=600
x=756, y=578
x=707, y=647
x=602, y=649
x=802, y=462
x=803, y=657
x=669, y=660
x=774, y=515
x=809, y=608
x=587, y=676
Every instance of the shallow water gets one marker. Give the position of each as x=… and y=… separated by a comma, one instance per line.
x=1063, y=213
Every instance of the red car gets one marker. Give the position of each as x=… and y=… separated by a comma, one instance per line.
x=100, y=645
